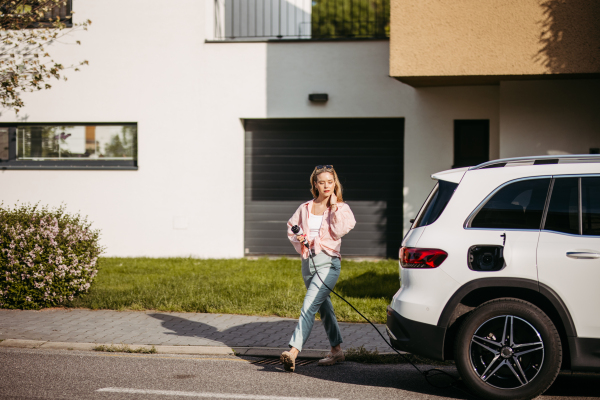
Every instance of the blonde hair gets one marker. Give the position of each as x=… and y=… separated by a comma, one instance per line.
x=337, y=190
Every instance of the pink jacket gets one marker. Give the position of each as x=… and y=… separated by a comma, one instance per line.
x=335, y=225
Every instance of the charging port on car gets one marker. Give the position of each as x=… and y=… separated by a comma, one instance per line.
x=486, y=258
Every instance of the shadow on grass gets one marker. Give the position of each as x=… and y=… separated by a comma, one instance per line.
x=370, y=284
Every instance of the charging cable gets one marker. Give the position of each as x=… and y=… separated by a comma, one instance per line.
x=427, y=374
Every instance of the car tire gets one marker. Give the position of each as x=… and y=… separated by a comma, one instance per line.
x=495, y=364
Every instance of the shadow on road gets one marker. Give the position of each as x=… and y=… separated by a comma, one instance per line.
x=259, y=334
x=353, y=373
x=586, y=386
x=399, y=376
x=404, y=377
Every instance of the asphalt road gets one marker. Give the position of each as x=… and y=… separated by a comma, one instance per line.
x=48, y=374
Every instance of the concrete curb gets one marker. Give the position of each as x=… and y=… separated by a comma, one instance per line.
x=191, y=350
x=198, y=350
x=39, y=344
x=22, y=344
x=276, y=352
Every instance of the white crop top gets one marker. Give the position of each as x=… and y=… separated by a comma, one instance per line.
x=314, y=225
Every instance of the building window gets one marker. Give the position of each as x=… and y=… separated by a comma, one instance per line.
x=3, y=144
x=68, y=146
x=471, y=142
x=301, y=19
x=62, y=12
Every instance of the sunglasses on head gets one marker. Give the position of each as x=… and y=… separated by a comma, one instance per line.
x=324, y=167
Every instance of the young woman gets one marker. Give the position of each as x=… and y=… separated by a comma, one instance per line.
x=325, y=219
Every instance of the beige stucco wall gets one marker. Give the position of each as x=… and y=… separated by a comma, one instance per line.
x=494, y=37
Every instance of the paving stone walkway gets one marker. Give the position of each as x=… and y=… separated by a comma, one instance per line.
x=169, y=328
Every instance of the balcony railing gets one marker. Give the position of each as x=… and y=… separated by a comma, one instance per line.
x=301, y=19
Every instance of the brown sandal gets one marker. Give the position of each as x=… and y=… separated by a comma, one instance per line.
x=288, y=361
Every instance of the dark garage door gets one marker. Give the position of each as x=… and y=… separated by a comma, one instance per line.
x=368, y=157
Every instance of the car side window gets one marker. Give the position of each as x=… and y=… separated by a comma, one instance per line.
x=518, y=205
x=590, y=203
x=563, y=210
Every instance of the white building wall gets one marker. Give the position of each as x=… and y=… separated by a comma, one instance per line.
x=151, y=65
x=549, y=117
x=429, y=141
x=353, y=73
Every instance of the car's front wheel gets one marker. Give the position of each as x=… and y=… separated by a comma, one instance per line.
x=508, y=349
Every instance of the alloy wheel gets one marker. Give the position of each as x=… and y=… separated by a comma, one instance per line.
x=506, y=352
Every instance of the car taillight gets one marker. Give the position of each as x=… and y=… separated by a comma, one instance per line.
x=412, y=257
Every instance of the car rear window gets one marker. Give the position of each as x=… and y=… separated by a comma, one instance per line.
x=435, y=203
x=518, y=205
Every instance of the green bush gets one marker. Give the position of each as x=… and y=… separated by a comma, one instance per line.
x=47, y=256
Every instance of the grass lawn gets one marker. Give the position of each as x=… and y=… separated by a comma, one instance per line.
x=238, y=286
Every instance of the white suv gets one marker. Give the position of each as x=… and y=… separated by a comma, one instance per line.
x=500, y=271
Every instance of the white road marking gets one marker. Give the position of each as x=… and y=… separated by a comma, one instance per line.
x=207, y=395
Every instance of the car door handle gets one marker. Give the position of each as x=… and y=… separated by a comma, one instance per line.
x=582, y=255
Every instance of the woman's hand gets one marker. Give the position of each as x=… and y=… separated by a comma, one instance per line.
x=301, y=238
x=333, y=202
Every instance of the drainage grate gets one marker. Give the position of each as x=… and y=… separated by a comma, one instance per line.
x=276, y=361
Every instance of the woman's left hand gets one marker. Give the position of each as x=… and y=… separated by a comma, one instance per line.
x=333, y=202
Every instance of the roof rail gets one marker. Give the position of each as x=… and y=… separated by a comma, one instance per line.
x=535, y=160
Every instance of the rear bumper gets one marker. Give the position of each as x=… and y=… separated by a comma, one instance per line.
x=415, y=337
x=585, y=354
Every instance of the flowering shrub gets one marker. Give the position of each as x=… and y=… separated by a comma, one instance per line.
x=46, y=256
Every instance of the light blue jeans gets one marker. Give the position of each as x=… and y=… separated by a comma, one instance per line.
x=317, y=299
